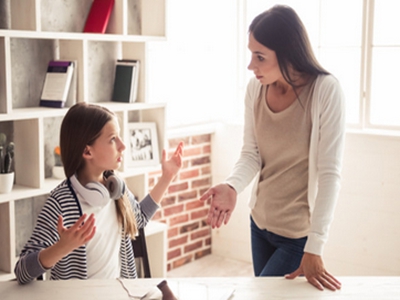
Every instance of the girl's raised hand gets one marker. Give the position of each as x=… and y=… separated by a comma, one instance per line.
x=70, y=238
x=169, y=168
x=172, y=166
x=78, y=234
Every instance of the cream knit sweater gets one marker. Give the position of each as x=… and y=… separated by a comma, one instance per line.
x=325, y=158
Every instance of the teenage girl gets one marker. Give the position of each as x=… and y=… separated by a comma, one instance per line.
x=86, y=225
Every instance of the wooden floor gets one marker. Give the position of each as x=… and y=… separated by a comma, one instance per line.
x=213, y=266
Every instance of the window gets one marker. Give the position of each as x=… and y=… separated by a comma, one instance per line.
x=201, y=70
x=194, y=70
x=384, y=54
x=356, y=41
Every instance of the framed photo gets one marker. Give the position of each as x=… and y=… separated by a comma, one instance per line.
x=142, y=144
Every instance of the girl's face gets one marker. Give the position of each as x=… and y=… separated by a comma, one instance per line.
x=263, y=62
x=106, y=151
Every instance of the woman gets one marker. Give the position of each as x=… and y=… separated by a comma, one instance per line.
x=293, y=140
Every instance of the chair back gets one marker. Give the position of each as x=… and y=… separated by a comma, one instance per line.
x=140, y=252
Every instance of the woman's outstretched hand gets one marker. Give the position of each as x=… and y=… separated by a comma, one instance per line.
x=312, y=267
x=223, y=202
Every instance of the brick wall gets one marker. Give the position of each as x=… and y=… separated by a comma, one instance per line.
x=189, y=236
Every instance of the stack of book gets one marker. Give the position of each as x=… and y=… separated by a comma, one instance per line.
x=126, y=81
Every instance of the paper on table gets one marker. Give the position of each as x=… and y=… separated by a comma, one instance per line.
x=182, y=291
x=142, y=293
x=197, y=291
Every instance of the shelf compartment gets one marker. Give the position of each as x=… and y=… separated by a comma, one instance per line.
x=51, y=129
x=25, y=216
x=7, y=233
x=29, y=159
x=156, y=115
x=5, y=79
x=137, y=185
x=153, y=17
x=24, y=14
x=29, y=60
x=146, y=17
x=72, y=18
x=99, y=78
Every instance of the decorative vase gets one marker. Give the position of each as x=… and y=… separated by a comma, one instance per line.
x=58, y=172
x=6, y=182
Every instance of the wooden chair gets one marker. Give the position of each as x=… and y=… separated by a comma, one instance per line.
x=140, y=251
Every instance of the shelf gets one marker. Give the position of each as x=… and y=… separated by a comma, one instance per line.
x=45, y=112
x=130, y=172
x=106, y=37
x=22, y=192
x=32, y=113
x=117, y=106
x=154, y=227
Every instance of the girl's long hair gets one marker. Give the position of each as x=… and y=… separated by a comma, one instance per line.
x=81, y=126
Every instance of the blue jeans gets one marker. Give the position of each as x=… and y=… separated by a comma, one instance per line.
x=274, y=255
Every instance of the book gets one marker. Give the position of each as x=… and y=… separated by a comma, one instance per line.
x=126, y=81
x=73, y=88
x=99, y=15
x=57, y=84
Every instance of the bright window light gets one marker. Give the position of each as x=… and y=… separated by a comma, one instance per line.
x=201, y=70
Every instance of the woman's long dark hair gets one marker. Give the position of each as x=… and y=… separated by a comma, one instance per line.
x=81, y=126
x=281, y=30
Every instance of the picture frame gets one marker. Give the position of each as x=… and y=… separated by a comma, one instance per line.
x=142, y=144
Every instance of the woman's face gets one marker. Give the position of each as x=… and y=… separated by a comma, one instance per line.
x=264, y=63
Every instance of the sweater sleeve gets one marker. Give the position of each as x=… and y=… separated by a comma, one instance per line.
x=327, y=154
x=45, y=234
x=248, y=164
x=143, y=210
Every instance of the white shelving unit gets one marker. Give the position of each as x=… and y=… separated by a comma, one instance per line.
x=42, y=30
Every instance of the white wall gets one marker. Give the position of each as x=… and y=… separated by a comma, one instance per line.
x=365, y=235
x=231, y=240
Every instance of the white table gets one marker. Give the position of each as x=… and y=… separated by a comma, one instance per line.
x=376, y=288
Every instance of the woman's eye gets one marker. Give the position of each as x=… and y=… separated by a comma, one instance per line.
x=260, y=58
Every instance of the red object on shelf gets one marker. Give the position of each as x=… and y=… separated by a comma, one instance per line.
x=98, y=16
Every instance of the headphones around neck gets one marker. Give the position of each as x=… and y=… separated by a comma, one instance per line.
x=96, y=194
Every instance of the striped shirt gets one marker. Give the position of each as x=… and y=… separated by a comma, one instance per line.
x=63, y=201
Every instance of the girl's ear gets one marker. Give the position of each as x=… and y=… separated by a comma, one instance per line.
x=86, y=153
